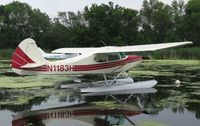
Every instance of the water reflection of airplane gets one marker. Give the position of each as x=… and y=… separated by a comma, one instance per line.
x=28, y=60
x=92, y=114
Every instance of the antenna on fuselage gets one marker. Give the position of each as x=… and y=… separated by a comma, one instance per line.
x=103, y=42
x=100, y=43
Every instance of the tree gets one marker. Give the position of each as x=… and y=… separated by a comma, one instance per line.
x=74, y=30
x=155, y=20
x=17, y=16
x=2, y=25
x=108, y=24
x=177, y=17
x=192, y=21
x=18, y=21
x=114, y=25
x=39, y=26
x=100, y=23
x=129, y=26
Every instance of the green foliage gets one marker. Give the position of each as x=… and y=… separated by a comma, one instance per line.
x=19, y=21
x=16, y=16
x=109, y=23
x=178, y=53
x=155, y=20
x=178, y=31
x=192, y=21
x=114, y=25
x=39, y=25
x=5, y=54
x=30, y=81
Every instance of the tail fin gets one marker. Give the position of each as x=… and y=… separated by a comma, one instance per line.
x=26, y=55
x=42, y=52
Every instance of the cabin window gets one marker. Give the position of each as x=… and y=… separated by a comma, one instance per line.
x=113, y=56
x=122, y=54
x=100, y=57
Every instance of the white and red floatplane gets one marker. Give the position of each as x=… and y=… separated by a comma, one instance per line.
x=27, y=59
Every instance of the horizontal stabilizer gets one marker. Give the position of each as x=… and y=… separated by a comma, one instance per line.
x=32, y=65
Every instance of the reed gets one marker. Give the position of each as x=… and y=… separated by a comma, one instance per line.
x=5, y=54
x=177, y=53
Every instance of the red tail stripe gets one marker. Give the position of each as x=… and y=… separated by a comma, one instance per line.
x=19, y=58
x=15, y=64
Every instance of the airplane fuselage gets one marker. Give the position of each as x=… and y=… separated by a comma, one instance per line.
x=79, y=65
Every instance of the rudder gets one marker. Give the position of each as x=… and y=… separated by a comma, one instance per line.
x=27, y=52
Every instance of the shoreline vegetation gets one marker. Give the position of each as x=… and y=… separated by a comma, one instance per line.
x=191, y=53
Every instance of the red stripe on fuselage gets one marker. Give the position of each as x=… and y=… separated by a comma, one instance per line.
x=129, y=59
x=90, y=67
x=43, y=68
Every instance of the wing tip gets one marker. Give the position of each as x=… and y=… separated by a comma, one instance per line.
x=190, y=42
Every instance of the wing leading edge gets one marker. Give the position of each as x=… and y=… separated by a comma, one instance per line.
x=142, y=48
x=132, y=48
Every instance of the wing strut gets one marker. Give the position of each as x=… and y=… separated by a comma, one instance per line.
x=123, y=73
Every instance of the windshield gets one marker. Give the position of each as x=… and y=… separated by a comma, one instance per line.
x=113, y=56
x=106, y=57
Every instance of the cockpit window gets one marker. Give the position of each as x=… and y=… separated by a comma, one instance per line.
x=100, y=58
x=106, y=57
x=113, y=56
x=122, y=54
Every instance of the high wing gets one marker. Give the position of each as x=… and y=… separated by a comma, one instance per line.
x=132, y=48
x=142, y=48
